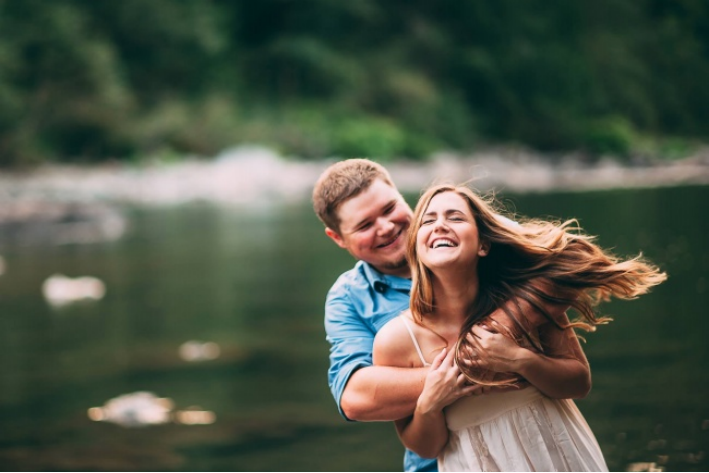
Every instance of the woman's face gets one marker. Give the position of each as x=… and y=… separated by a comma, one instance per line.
x=448, y=235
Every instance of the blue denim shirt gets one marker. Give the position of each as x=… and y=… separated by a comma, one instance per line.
x=360, y=302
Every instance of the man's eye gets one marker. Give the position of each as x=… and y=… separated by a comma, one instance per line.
x=365, y=226
x=427, y=221
x=389, y=209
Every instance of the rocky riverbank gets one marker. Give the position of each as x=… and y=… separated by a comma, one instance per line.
x=37, y=220
x=80, y=203
x=250, y=175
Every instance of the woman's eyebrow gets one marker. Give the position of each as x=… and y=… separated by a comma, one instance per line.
x=445, y=212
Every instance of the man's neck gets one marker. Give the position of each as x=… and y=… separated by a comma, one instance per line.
x=404, y=272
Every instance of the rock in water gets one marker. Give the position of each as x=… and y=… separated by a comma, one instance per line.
x=60, y=290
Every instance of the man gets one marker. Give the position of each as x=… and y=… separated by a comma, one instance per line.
x=364, y=213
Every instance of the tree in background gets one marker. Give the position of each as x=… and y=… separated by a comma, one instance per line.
x=91, y=81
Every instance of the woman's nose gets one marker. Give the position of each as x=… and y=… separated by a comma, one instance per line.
x=440, y=225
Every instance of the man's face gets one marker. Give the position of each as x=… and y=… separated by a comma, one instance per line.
x=374, y=227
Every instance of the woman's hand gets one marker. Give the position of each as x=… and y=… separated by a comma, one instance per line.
x=444, y=384
x=502, y=354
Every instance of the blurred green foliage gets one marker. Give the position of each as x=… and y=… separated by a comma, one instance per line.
x=610, y=135
x=90, y=80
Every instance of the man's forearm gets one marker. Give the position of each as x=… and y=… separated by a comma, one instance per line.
x=382, y=393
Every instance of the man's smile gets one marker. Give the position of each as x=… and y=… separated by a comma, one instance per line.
x=392, y=241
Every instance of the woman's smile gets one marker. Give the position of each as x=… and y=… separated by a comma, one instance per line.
x=448, y=233
x=443, y=242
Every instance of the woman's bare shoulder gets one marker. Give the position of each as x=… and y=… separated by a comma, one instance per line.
x=393, y=331
x=392, y=344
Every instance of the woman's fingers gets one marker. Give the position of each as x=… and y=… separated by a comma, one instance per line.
x=476, y=364
x=450, y=358
x=467, y=350
x=495, y=325
x=503, y=388
x=439, y=359
x=472, y=390
x=479, y=332
x=470, y=355
x=462, y=380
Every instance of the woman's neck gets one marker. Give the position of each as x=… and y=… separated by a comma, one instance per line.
x=455, y=294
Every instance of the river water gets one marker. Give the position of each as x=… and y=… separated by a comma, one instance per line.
x=219, y=310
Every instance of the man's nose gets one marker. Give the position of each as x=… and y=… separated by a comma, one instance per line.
x=385, y=226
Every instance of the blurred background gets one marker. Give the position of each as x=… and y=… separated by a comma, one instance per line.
x=163, y=276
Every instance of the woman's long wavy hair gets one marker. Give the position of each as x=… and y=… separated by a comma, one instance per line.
x=576, y=271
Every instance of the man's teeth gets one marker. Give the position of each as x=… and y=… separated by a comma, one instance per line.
x=383, y=245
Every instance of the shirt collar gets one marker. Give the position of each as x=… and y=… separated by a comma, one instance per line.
x=380, y=281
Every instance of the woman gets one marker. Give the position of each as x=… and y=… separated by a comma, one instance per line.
x=473, y=273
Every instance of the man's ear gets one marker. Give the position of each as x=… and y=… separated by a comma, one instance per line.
x=334, y=236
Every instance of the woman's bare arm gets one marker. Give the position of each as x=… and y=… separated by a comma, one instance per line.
x=425, y=432
x=561, y=372
x=422, y=430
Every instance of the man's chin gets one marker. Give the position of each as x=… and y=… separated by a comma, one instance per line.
x=394, y=265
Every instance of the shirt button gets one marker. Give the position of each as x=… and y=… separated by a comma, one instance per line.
x=379, y=286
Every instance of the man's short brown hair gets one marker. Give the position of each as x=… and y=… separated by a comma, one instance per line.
x=341, y=182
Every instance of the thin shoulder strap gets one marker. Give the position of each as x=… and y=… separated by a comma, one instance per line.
x=413, y=339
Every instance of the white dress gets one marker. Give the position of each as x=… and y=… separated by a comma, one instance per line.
x=516, y=431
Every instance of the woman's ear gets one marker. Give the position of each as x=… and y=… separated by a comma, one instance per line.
x=484, y=248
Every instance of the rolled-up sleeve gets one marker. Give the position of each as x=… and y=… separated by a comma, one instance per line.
x=350, y=341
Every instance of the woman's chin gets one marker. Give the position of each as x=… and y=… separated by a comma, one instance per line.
x=447, y=262
x=436, y=266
